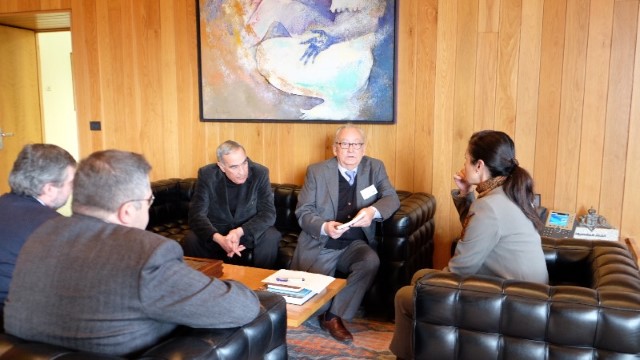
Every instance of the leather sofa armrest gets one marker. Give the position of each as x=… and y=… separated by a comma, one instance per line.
x=263, y=338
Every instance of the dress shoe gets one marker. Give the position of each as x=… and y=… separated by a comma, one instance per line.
x=336, y=328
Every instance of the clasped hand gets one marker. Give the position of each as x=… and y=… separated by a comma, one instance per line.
x=332, y=226
x=231, y=242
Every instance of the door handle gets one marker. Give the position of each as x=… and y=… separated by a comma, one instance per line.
x=2, y=136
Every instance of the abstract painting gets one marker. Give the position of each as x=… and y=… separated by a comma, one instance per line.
x=297, y=60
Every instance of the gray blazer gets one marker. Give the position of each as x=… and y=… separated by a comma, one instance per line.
x=318, y=203
x=85, y=284
x=499, y=240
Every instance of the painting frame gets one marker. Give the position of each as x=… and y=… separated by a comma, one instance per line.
x=258, y=63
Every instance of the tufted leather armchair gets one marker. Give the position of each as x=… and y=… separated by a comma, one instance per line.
x=405, y=241
x=590, y=310
x=263, y=338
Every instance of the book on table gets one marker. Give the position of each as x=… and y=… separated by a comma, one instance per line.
x=296, y=286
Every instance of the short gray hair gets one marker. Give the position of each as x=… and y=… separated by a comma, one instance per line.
x=350, y=126
x=107, y=179
x=38, y=165
x=226, y=147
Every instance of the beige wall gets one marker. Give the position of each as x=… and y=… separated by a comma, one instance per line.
x=59, y=125
x=558, y=75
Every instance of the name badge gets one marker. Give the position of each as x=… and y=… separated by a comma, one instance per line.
x=368, y=192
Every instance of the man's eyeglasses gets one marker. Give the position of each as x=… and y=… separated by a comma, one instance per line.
x=149, y=200
x=346, y=145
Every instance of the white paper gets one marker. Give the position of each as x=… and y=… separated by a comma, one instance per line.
x=314, y=282
x=354, y=220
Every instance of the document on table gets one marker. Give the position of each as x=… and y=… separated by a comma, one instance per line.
x=299, y=279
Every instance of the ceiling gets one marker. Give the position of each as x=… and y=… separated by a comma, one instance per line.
x=42, y=21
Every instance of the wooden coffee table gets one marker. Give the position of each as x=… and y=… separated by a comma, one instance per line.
x=296, y=314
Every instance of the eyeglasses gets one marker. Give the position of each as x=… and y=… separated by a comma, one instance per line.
x=149, y=200
x=346, y=145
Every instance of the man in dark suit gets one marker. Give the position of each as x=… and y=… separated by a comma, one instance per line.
x=232, y=209
x=41, y=180
x=337, y=191
x=98, y=282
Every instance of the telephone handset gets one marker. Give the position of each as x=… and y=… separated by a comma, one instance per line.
x=559, y=225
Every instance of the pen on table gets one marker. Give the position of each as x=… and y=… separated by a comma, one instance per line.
x=284, y=279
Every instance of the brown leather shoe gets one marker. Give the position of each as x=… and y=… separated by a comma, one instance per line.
x=336, y=328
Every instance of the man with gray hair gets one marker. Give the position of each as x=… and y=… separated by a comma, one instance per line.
x=40, y=180
x=232, y=209
x=98, y=282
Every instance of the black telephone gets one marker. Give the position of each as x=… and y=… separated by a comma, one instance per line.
x=559, y=225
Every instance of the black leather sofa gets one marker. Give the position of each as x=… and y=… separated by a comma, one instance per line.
x=590, y=310
x=405, y=241
x=263, y=338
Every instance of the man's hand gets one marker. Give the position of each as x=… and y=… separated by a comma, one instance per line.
x=368, y=214
x=331, y=229
x=231, y=242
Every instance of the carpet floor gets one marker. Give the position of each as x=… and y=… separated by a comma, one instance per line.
x=371, y=340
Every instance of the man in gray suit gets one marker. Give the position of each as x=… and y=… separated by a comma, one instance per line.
x=98, y=282
x=337, y=191
x=232, y=209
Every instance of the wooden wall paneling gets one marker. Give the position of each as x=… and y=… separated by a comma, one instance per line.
x=427, y=12
x=12, y=6
x=443, y=126
x=464, y=97
x=309, y=144
x=595, y=104
x=507, y=72
x=187, y=130
x=489, y=15
x=155, y=87
x=168, y=32
x=625, y=17
x=571, y=103
x=528, y=82
x=631, y=202
x=407, y=100
x=86, y=74
x=485, y=87
x=553, y=27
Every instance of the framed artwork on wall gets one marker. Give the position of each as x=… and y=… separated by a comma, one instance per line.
x=297, y=60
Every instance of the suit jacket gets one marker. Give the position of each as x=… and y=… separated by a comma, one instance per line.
x=89, y=285
x=19, y=217
x=318, y=203
x=499, y=240
x=209, y=211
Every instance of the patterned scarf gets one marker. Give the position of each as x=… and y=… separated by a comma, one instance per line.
x=483, y=189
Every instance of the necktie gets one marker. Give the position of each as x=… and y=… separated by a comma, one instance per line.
x=351, y=174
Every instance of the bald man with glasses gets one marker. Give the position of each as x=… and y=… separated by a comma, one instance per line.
x=232, y=210
x=352, y=189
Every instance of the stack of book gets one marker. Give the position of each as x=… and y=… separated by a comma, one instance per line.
x=292, y=294
x=296, y=286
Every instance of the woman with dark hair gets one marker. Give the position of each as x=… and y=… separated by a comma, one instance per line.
x=499, y=228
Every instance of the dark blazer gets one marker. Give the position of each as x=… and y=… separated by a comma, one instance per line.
x=19, y=217
x=209, y=211
x=318, y=203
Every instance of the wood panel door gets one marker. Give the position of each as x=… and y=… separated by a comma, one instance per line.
x=19, y=96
